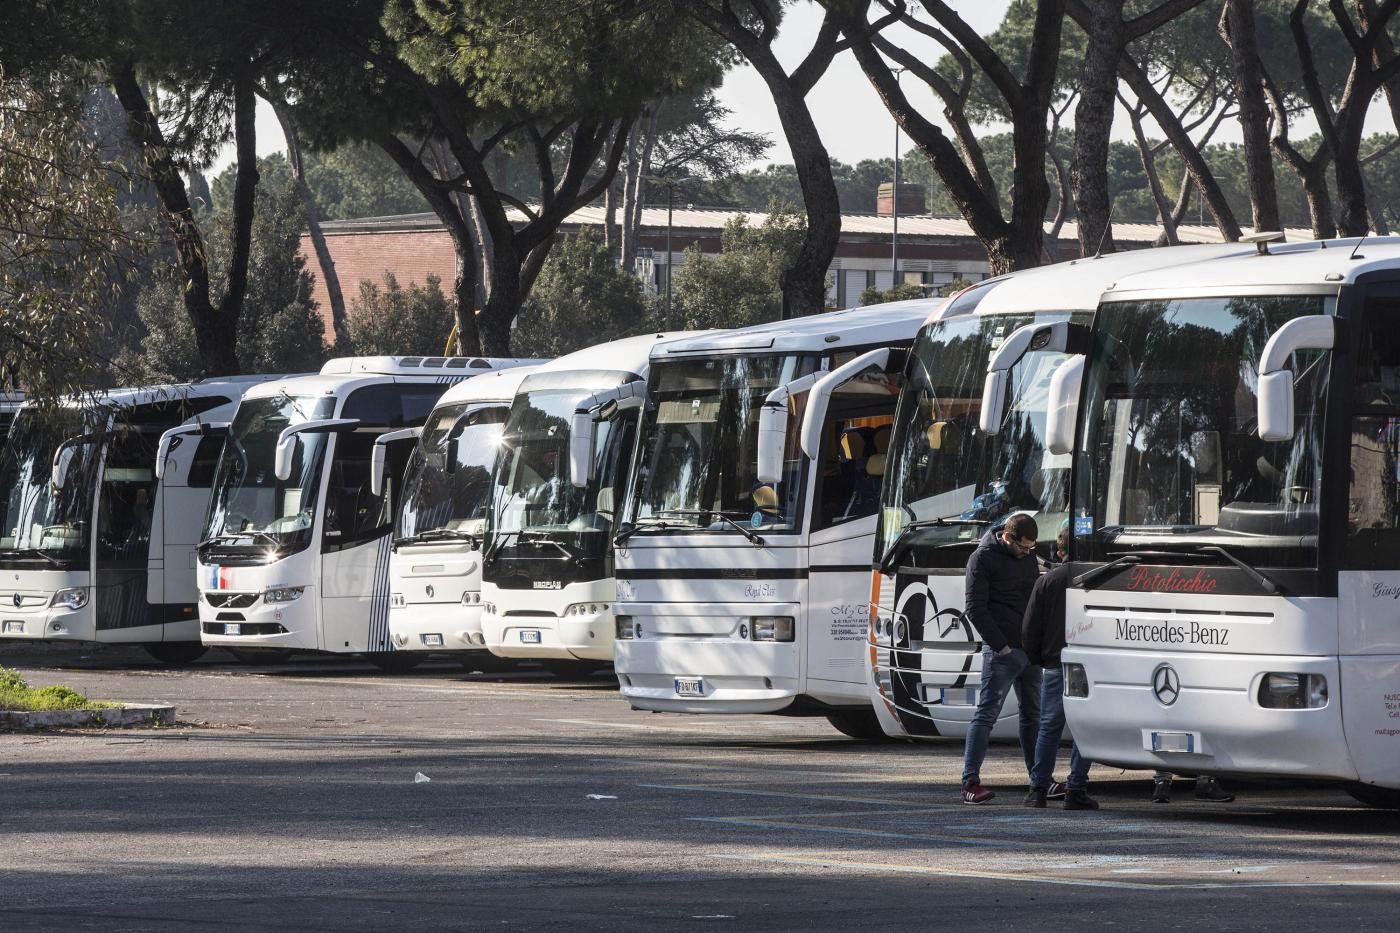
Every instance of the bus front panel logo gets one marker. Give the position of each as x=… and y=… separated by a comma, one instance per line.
x=1166, y=684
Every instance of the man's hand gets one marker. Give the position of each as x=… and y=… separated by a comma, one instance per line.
x=1006, y=649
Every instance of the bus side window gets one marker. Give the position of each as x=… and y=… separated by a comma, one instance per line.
x=127, y=498
x=1373, y=506
x=354, y=515
x=206, y=458
x=1378, y=356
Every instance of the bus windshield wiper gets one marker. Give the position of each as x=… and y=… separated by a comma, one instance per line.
x=436, y=534
x=498, y=542
x=250, y=533
x=1265, y=582
x=31, y=552
x=895, y=548
x=1085, y=579
x=621, y=537
x=754, y=539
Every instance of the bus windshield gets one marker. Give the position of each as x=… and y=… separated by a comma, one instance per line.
x=1171, y=457
x=948, y=480
x=457, y=501
x=249, y=501
x=699, y=445
x=44, y=527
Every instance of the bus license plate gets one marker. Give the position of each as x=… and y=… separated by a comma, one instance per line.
x=530, y=636
x=14, y=626
x=1173, y=742
x=690, y=687
x=233, y=628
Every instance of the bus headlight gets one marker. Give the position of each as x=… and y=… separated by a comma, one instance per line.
x=586, y=609
x=74, y=597
x=772, y=628
x=1076, y=681
x=397, y=600
x=628, y=628
x=1293, y=691
x=283, y=594
x=488, y=608
x=471, y=598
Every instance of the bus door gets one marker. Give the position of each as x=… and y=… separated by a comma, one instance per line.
x=128, y=568
x=845, y=500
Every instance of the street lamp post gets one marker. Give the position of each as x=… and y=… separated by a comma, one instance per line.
x=894, y=198
x=670, y=208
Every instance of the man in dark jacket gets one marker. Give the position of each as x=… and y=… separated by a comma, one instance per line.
x=1043, y=636
x=1000, y=576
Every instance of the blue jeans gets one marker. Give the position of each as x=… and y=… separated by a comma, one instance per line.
x=1000, y=675
x=1052, y=726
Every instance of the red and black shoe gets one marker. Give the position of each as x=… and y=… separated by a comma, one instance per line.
x=974, y=792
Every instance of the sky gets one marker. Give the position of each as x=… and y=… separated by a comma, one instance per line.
x=854, y=124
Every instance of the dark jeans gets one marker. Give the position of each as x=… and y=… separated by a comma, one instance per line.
x=1000, y=675
x=1052, y=726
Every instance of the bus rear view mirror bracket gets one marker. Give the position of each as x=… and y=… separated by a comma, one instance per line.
x=287, y=440
x=773, y=426
x=600, y=406
x=379, y=455
x=63, y=458
x=168, y=440
x=1059, y=337
x=1275, y=402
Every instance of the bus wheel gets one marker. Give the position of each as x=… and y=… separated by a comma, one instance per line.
x=858, y=724
x=262, y=656
x=1387, y=798
x=396, y=662
x=176, y=652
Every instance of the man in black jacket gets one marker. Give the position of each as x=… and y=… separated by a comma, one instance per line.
x=1000, y=576
x=1043, y=636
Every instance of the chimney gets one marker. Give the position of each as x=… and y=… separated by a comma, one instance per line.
x=912, y=201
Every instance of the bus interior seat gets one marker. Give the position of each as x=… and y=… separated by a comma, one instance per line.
x=880, y=441
x=875, y=465
x=765, y=499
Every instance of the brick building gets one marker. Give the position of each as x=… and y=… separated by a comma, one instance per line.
x=932, y=250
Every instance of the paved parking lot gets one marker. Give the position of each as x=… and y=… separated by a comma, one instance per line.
x=288, y=797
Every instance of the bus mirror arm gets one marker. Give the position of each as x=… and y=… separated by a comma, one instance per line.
x=202, y=428
x=287, y=440
x=1275, y=402
x=820, y=399
x=1059, y=337
x=63, y=458
x=598, y=406
x=773, y=426
x=379, y=456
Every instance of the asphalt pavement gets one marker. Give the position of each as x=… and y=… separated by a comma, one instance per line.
x=294, y=797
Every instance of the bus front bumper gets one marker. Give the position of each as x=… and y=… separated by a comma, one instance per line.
x=436, y=627
x=1215, y=724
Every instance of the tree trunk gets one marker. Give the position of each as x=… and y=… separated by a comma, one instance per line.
x=503, y=303
x=1093, y=124
x=1154, y=181
x=1237, y=27
x=216, y=338
x=1030, y=190
x=340, y=326
x=611, y=232
x=1353, y=217
x=635, y=189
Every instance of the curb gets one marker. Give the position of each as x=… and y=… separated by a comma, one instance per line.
x=124, y=716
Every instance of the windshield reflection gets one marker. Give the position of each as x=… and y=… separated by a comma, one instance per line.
x=459, y=500
x=42, y=525
x=946, y=468
x=249, y=501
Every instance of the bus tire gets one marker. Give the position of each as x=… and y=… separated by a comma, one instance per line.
x=263, y=656
x=1386, y=798
x=860, y=724
x=176, y=652
x=396, y=662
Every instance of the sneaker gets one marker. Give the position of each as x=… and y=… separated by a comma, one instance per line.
x=1056, y=791
x=1162, y=790
x=1077, y=798
x=974, y=792
x=1208, y=788
x=1035, y=798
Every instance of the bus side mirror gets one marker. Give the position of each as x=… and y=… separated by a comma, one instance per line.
x=1275, y=403
x=62, y=459
x=286, y=452
x=379, y=456
x=1063, y=408
x=449, y=463
x=993, y=395
x=1058, y=337
x=581, y=448
x=168, y=439
x=772, y=431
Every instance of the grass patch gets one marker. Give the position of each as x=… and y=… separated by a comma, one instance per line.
x=15, y=694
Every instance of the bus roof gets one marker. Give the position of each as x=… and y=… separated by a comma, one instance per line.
x=498, y=385
x=629, y=355
x=347, y=374
x=232, y=386
x=854, y=327
x=416, y=365
x=1078, y=284
x=1316, y=266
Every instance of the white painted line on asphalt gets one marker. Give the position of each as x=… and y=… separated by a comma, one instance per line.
x=1042, y=879
x=743, y=791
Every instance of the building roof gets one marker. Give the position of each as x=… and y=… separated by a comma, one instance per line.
x=712, y=220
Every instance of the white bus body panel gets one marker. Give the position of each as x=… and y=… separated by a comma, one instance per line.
x=1221, y=648
x=25, y=612
x=531, y=623
x=300, y=618
x=427, y=585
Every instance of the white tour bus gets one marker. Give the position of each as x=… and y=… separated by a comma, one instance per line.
x=547, y=586
x=743, y=566
x=1237, y=520
x=94, y=545
x=295, y=555
x=435, y=563
x=960, y=464
x=10, y=404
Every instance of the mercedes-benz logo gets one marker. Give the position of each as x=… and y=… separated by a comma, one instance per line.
x=430, y=592
x=19, y=600
x=1166, y=684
